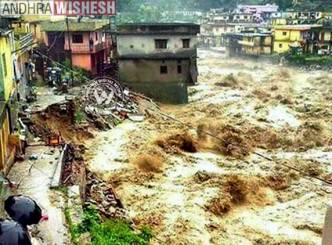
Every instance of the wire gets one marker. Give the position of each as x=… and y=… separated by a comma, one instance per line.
x=256, y=153
x=24, y=47
x=216, y=137
x=54, y=41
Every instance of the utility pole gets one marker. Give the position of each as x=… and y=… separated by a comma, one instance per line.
x=70, y=52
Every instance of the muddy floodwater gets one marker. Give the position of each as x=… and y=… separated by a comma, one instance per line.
x=193, y=189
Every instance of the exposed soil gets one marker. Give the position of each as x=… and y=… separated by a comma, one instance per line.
x=201, y=183
x=54, y=120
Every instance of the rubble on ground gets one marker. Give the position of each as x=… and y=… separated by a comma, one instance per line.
x=102, y=196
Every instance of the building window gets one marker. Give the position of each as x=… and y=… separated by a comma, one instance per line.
x=179, y=69
x=284, y=33
x=163, y=70
x=161, y=43
x=4, y=64
x=280, y=45
x=186, y=43
x=77, y=38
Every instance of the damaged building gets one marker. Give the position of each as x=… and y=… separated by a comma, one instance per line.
x=158, y=60
x=251, y=44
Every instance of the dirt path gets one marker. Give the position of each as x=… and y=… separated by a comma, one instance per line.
x=287, y=113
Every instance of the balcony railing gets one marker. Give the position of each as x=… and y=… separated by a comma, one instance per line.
x=23, y=42
x=86, y=48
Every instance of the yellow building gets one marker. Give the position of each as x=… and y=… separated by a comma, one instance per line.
x=6, y=65
x=286, y=36
x=251, y=44
x=278, y=21
x=6, y=93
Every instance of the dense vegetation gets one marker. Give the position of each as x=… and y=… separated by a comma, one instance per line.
x=117, y=232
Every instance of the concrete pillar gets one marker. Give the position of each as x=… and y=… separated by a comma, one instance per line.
x=327, y=230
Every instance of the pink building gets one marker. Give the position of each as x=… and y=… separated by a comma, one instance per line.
x=86, y=43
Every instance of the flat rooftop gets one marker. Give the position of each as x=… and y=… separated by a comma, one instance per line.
x=158, y=28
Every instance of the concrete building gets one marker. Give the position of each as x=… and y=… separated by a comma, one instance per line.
x=21, y=54
x=321, y=39
x=250, y=44
x=263, y=12
x=158, y=59
x=287, y=36
x=85, y=44
x=7, y=100
x=296, y=18
x=217, y=23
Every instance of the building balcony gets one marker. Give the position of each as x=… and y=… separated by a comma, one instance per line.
x=23, y=42
x=86, y=48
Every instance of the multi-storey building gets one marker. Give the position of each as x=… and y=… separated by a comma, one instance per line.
x=158, y=59
x=262, y=12
x=251, y=44
x=321, y=39
x=82, y=40
x=288, y=36
x=7, y=100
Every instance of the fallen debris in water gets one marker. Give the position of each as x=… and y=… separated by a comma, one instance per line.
x=102, y=195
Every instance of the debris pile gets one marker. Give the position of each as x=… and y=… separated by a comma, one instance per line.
x=102, y=195
x=75, y=119
x=73, y=168
x=108, y=117
x=106, y=104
